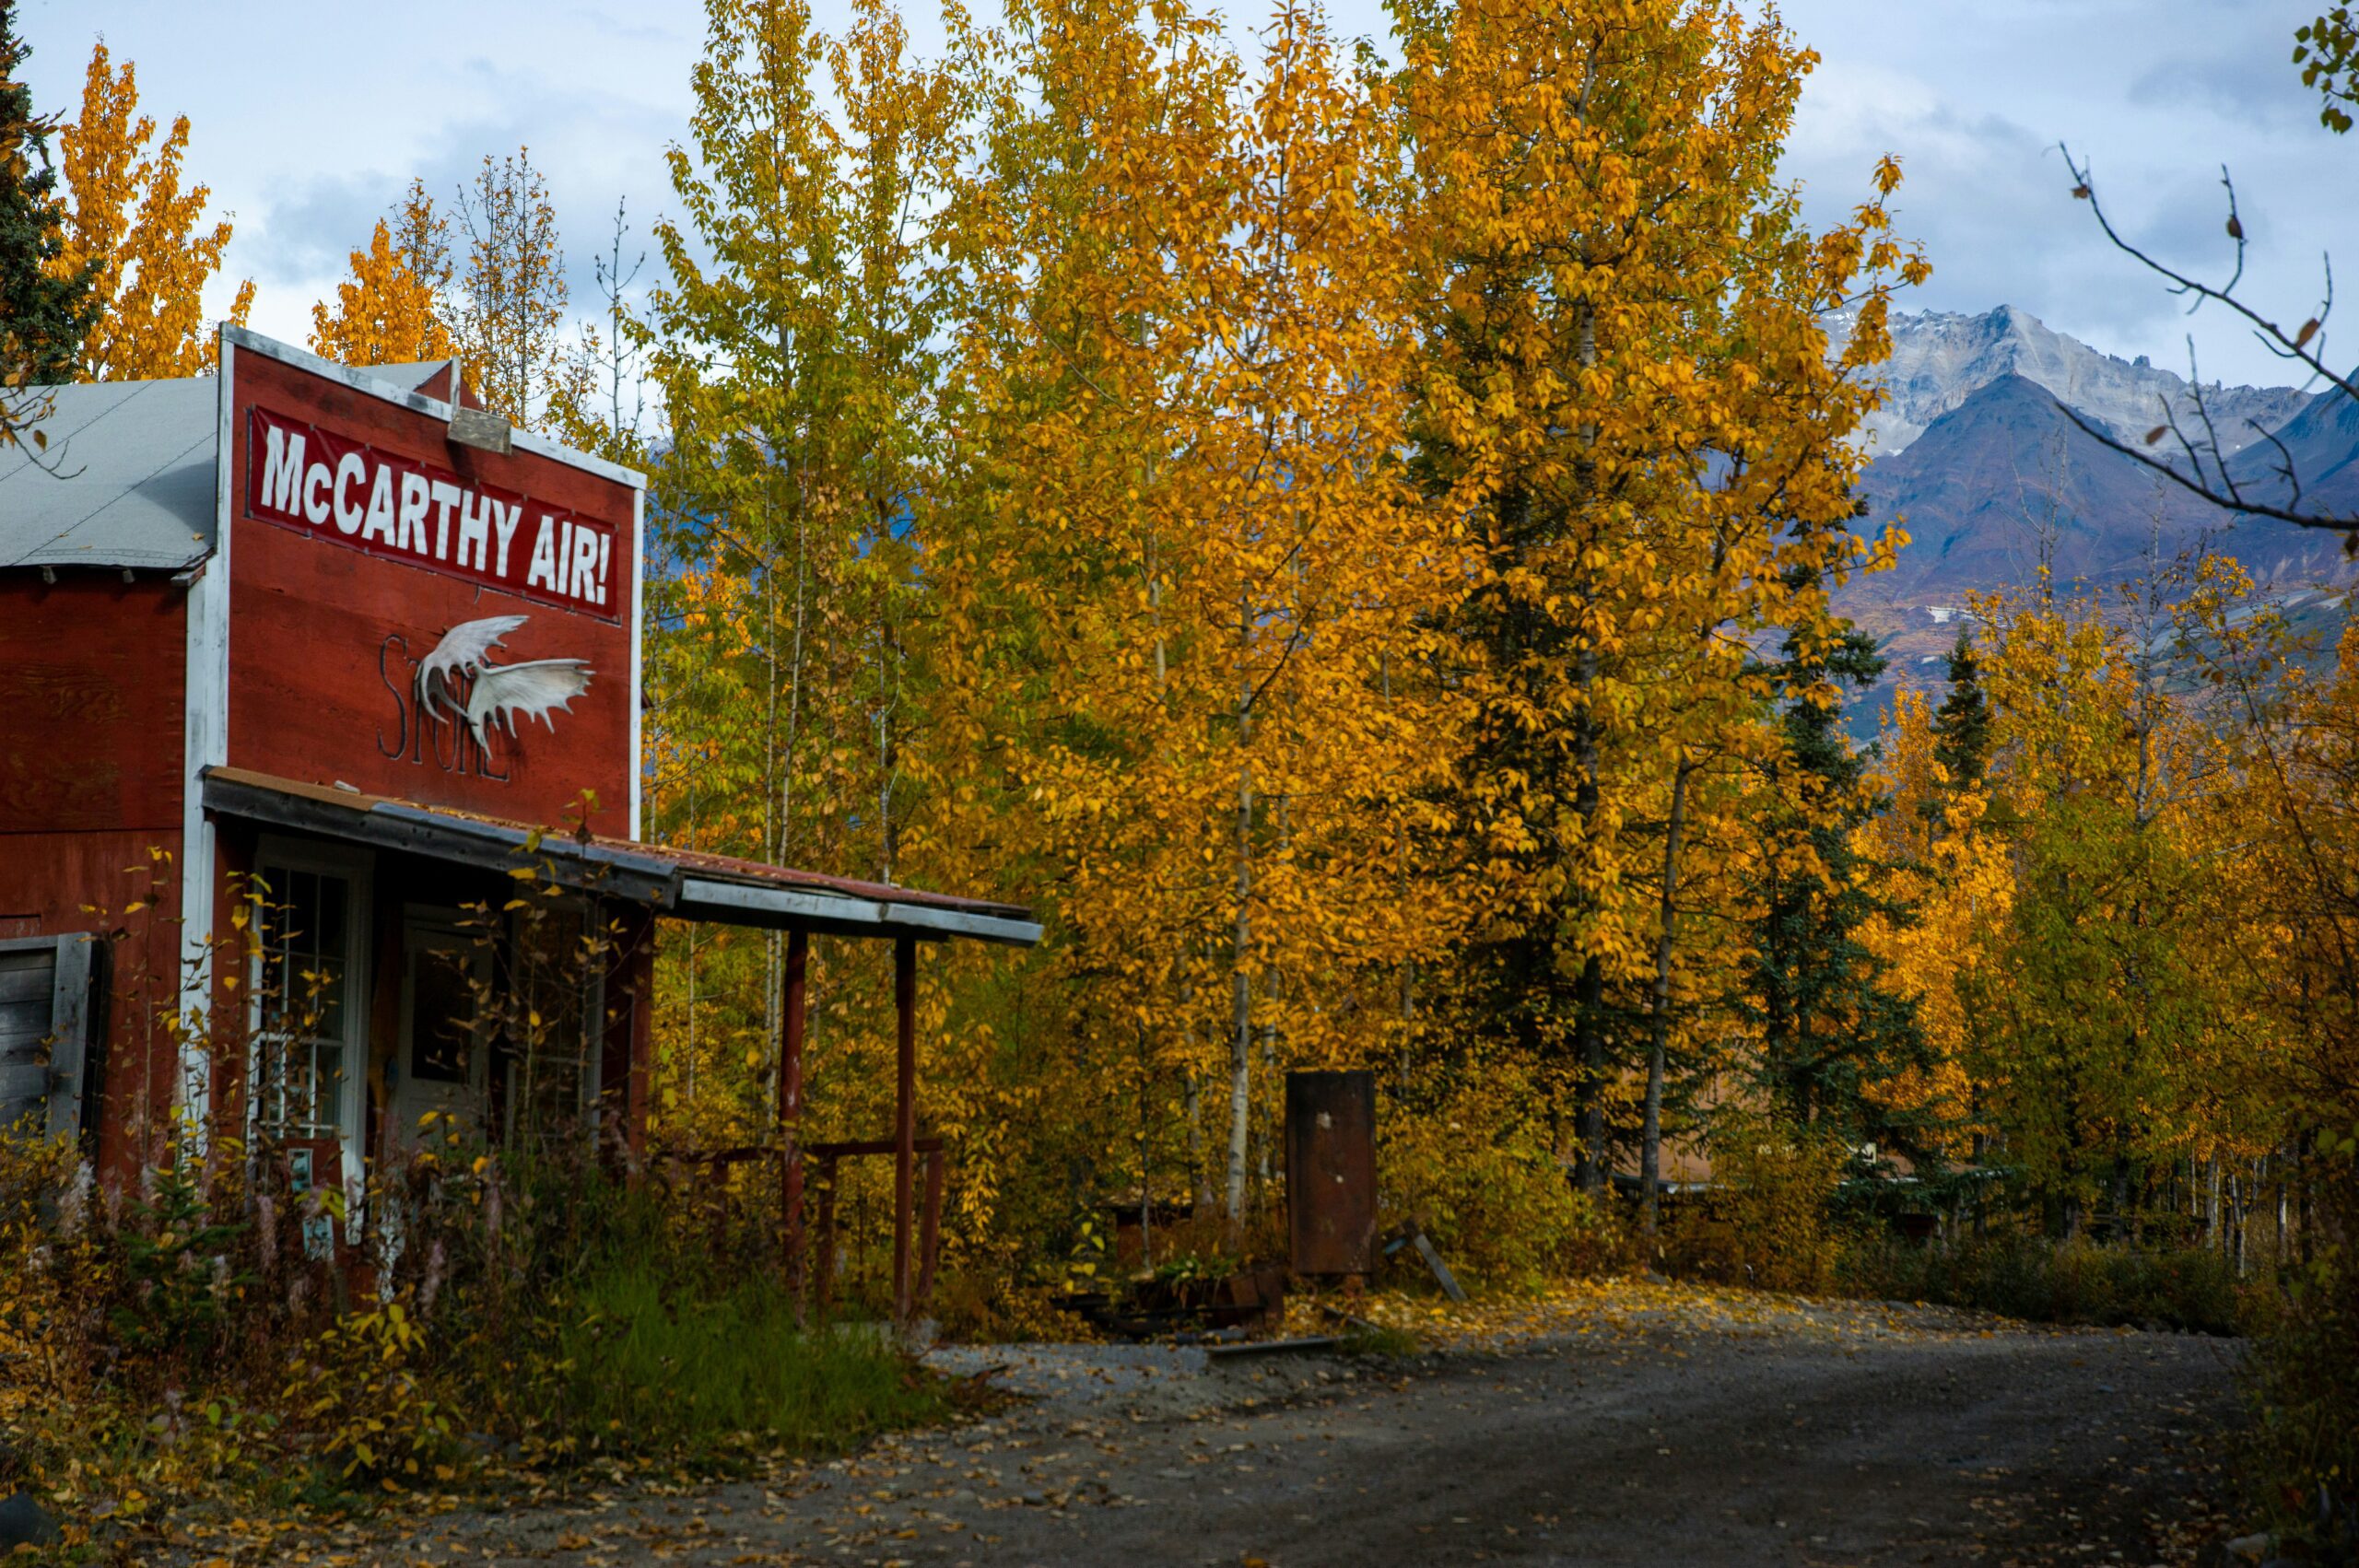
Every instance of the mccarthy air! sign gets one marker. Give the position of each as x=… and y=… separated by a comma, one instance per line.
x=322, y=484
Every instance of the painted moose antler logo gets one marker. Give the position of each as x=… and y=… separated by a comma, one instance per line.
x=495, y=694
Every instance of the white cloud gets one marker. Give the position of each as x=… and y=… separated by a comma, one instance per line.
x=310, y=119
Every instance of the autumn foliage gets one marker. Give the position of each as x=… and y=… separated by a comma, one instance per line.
x=1350, y=538
x=142, y=235
x=1305, y=528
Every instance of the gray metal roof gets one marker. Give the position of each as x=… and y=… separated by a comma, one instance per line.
x=407, y=378
x=127, y=480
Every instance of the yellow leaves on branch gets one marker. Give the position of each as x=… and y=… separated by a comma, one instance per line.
x=392, y=310
x=124, y=209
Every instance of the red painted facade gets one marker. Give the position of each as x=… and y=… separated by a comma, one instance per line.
x=113, y=701
x=91, y=683
x=325, y=635
x=280, y=712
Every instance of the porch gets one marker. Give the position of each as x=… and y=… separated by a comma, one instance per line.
x=432, y=946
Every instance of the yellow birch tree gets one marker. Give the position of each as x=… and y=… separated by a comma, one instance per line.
x=142, y=236
x=393, y=310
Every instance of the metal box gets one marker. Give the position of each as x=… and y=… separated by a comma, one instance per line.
x=1331, y=1172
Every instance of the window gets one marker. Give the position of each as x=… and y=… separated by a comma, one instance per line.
x=306, y=1003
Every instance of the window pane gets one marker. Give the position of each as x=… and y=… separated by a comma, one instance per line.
x=327, y=1087
x=302, y=908
x=301, y=1007
x=334, y=891
x=329, y=1008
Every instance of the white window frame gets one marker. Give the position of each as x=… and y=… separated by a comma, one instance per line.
x=357, y=867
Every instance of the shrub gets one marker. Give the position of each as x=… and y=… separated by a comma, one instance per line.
x=1765, y=1220
x=2045, y=1282
x=361, y=1387
x=2300, y=1459
x=1501, y=1210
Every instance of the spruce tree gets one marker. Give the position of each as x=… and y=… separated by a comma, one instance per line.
x=1828, y=1030
x=44, y=313
x=1962, y=727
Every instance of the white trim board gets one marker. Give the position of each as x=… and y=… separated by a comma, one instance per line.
x=435, y=408
x=205, y=743
x=637, y=696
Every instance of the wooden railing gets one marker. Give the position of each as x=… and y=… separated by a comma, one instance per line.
x=827, y=1158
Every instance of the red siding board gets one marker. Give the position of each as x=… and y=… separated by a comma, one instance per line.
x=90, y=678
x=63, y=882
x=322, y=637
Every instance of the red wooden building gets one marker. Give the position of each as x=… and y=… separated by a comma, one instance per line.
x=340, y=634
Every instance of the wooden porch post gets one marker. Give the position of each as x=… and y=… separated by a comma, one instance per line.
x=790, y=1104
x=905, y=1116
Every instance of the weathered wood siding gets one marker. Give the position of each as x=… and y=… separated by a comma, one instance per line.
x=91, y=676
x=317, y=693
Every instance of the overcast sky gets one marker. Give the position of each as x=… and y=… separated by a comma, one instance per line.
x=310, y=119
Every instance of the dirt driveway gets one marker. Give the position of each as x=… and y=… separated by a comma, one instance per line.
x=1659, y=1427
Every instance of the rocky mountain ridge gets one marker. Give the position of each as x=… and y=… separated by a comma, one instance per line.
x=1940, y=358
x=1989, y=477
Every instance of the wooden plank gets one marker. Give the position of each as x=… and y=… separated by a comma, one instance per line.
x=23, y=1026
x=26, y=976
x=69, y=1029
x=90, y=673
x=1307, y=1343
x=905, y=1117
x=25, y=1081
x=868, y=1146
x=1426, y=1250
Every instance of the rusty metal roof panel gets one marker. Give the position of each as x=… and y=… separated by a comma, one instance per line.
x=125, y=480
x=687, y=883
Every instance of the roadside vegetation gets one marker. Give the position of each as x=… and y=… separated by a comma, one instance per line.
x=1352, y=544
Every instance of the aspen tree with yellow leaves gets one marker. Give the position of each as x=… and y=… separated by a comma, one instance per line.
x=1629, y=361
x=793, y=344
x=140, y=236
x=395, y=309
x=1200, y=539
x=508, y=318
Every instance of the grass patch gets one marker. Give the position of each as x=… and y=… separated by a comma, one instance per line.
x=694, y=1372
x=1378, y=1339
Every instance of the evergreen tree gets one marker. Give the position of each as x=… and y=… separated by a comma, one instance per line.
x=1830, y=1029
x=44, y=312
x=1962, y=728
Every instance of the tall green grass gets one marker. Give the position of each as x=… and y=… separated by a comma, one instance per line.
x=687, y=1370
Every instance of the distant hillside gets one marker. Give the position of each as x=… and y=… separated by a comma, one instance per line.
x=2323, y=442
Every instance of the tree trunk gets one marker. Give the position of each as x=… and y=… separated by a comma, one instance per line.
x=1589, y=991
x=2212, y=1204
x=1650, y=1130
x=1240, y=1049
x=1588, y=995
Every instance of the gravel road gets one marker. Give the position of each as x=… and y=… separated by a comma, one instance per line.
x=1672, y=1430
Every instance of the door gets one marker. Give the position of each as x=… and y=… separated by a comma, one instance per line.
x=439, y=1066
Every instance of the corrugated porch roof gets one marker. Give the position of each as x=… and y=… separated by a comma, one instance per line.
x=689, y=884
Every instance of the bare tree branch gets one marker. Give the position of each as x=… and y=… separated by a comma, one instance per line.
x=2195, y=459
